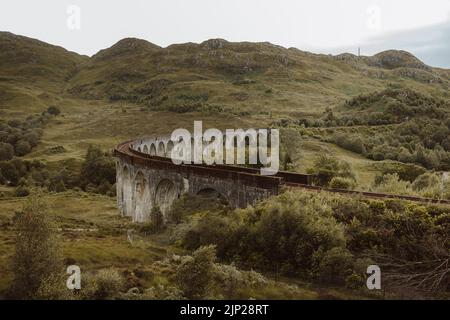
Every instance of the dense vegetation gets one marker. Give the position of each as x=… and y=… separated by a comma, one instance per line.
x=331, y=239
x=398, y=136
x=17, y=137
x=97, y=174
x=396, y=124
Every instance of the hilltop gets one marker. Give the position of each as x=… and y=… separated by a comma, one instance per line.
x=257, y=77
x=214, y=76
x=33, y=74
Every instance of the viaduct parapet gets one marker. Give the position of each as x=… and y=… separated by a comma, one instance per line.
x=147, y=178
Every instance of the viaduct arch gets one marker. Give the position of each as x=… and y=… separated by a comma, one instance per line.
x=147, y=178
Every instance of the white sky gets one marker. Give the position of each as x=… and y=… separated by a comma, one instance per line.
x=328, y=26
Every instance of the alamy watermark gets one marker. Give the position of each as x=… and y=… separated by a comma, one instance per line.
x=234, y=146
x=73, y=21
x=74, y=280
x=374, y=279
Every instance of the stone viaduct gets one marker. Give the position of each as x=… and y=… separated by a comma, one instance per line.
x=146, y=178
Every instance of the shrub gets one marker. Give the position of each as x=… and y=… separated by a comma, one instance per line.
x=195, y=273
x=9, y=172
x=405, y=171
x=157, y=218
x=32, y=138
x=98, y=167
x=161, y=292
x=350, y=142
x=333, y=266
x=57, y=185
x=106, y=284
x=228, y=278
x=342, y=183
x=6, y=151
x=21, y=191
x=327, y=167
x=53, y=110
x=156, y=222
x=279, y=235
x=390, y=183
x=37, y=263
x=426, y=180
x=434, y=192
x=14, y=123
x=22, y=147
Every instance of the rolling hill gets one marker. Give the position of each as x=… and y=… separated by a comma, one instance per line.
x=214, y=76
x=33, y=73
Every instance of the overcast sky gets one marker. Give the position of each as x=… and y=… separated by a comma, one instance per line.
x=326, y=26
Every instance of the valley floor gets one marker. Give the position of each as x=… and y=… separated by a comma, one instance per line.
x=94, y=237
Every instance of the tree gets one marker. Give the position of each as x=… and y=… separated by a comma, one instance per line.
x=405, y=156
x=32, y=138
x=98, y=167
x=37, y=263
x=327, y=167
x=6, y=151
x=22, y=147
x=9, y=172
x=420, y=155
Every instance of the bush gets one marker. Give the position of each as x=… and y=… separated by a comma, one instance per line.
x=195, y=273
x=21, y=191
x=9, y=172
x=333, y=266
x=53, y=110
x=327, y=167
x=106, y=284
x=98, y=167
x=391, y=183
x=324, y=237
x=425, y=181
x=161, y=292
x=6, y=151
x=157, y=218
x=279, y=235
x=32, y=138
x=405, y=171
x=37, y=263
x=22, y=147
x=342, y=183
x=156, y=222
x=350, y=142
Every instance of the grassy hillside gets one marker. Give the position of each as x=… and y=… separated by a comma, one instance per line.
x=33, y=73
x=244, y=78
x=370, y=122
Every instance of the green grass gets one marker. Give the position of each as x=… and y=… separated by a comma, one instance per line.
x=94, y=236
x=92, y=232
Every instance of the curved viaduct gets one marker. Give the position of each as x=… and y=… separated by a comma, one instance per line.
x=147, y=178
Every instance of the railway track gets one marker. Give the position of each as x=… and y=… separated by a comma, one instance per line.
x=283, y=178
